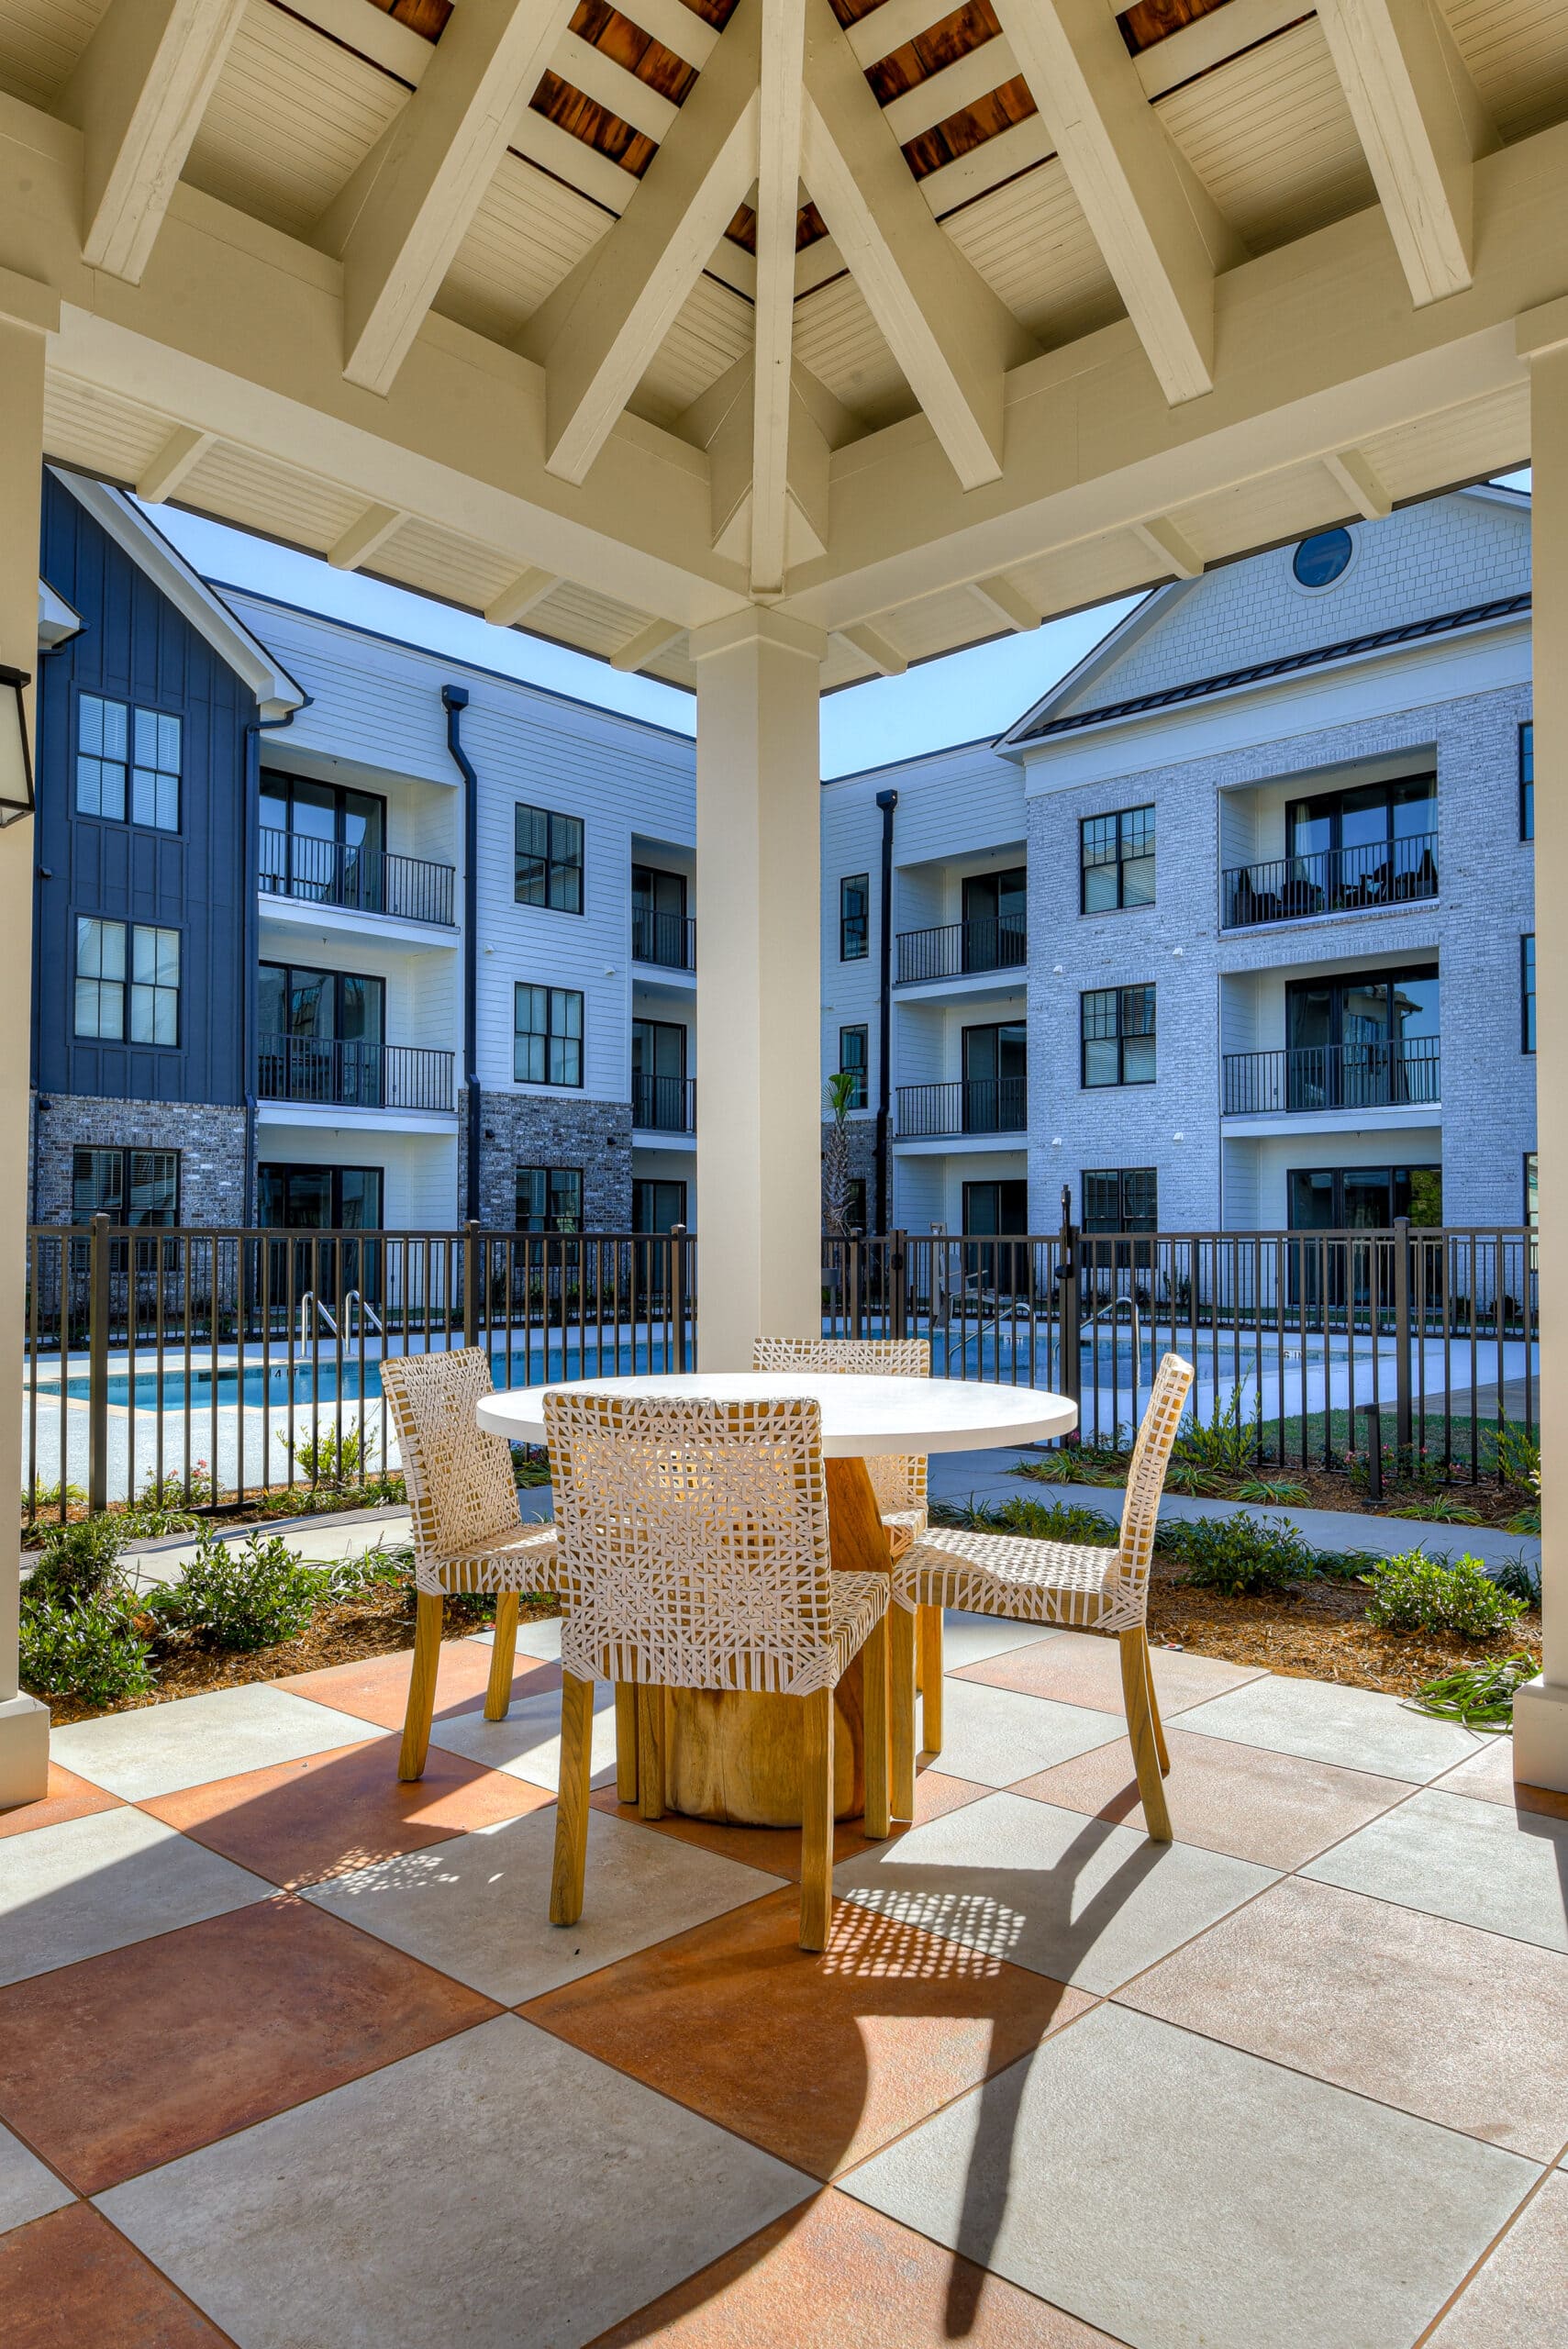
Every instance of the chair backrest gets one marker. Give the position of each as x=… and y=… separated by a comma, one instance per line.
x=462, y=1491
x=898, y=1483
x=694, y=1540
x=1151, y=1458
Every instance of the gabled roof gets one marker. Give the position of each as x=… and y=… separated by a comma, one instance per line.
x=124, y=521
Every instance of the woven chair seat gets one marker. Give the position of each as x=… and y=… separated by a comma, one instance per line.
x=856, y=1603
x=524, y=1559
x=1011, y=1575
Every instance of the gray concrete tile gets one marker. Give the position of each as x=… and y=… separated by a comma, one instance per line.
x=96, y=1884
x=28, y=2190
x=1358, y=1729
x=970, y=1639
x=1182, y=2195
x=1049, y=1889
x=995, y=1736
x=1504, y=1871
x=541, y=1638
x=1517, y=2300
x=477, y=1908
x=159, y=1748
x=502, y=2187
x=527, y=1745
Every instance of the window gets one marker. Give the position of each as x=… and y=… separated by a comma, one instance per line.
x=130, y=1187
x=1318, y=562
x=1366, y=1040
x=107, y=734
x=548, y=859
x=1117, y=861
x=996, y=1078
x=995, y=919
x=549, y=1198
x=154, y=986
x=1526, y=991
x=854, y=1059
x=319, y=1198
x=100, y=977
x=854, y=917
x=1118, y=1036
x=1364, y=1198
x=1532, y=1191
x=1120, y=1198
x=327, y=843
x=1527, y=780
x=660, y=1099
x=997, y=1211
x=659, y=928
x=547, y=1046
x=657, y=1206
x=101, y=982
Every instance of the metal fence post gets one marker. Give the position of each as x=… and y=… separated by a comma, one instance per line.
x=1401, y=1334
x=899, y=1299
x=471, y=1298
x=1069, y=1303
x=99, y=1366
x=678, y=1289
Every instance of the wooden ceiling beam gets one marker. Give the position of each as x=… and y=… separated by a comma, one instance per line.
x=873, y=646
x=138, y=95
x=781, y=97
x=1360, y=485
x=1171, y=546
x=363, y=537
x=1009, y=604
x=181, y=454
x=516, y=600
x=645, y=646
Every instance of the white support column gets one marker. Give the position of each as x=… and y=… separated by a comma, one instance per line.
x=25, y=311
x=1540, y=1710
x=758, y=984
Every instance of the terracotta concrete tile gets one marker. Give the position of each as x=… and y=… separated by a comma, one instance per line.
x=776, y=1850
x=1085, y=1668
x=1271, y=1807
x=1489, y=1776
x=377, y=1688
x=299, y=1822
x=71, y=2279
x=834, y=2272
x=820, y=2060
x=1460, y=2027
x=126, y=2061
x=69, y=1797
x=1516, y=2300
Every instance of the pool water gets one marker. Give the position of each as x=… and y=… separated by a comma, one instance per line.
x=275, y=1387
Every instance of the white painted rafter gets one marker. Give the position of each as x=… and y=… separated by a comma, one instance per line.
x=1360, y=485
x=873, y=646
x=1010, y=604
x=181, y=454
x=519, y=597
x=1171, y=546
x=138, y=94
x=608, y=84
x=645, y=646
x=363, y=536
x=778, y=193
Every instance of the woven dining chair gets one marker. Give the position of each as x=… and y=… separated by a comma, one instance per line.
x=462, y=1497
x=1076, y=1584
x=694, y=1554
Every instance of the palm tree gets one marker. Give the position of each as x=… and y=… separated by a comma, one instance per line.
x=843, y=1094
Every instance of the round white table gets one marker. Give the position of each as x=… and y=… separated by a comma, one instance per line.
x=737, y=1758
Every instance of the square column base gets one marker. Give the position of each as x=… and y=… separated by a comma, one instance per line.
x=24, y=1752
x=1540, y=1736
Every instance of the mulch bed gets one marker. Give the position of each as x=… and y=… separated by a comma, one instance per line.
x=1493, y=1503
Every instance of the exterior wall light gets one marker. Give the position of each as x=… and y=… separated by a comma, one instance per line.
x=16, y=752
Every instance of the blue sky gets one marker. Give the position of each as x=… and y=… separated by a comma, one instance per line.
x=961, y=699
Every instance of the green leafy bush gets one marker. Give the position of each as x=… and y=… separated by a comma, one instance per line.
x=79, y=1561
x=332, y=1455
x=249, y=1595
x=1041, y=1520
x=1415, y=1593
x=1521, y=1578
x=1272, y=1493
x=1239, y=1556
x=90, y=1650
x=1439, y=1509
x=1224, y=1444
x=198, y=1490
x=1519, y=1456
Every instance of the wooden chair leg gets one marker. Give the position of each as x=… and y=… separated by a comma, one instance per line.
x=572, y=1808
x=874, y=1668
x=1140, y=1730
x=650, y=1711
x=625, y=1741
x=502, y=1657
x=901, y=1706
x=428, y=1608
x=1159, y=1745
x=930, y=1646
x=817, y=1818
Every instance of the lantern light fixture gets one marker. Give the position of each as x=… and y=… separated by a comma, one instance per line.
x=15, y=753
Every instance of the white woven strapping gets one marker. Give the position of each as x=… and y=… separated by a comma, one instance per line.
x=899, y=1484
x=462, y=1495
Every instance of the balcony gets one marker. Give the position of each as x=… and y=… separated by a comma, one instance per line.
x=668, y=940
x=1342, y=880
x=663, y=1105
x=990, y=1105
x=336, y=1073
x=355, y=880
x=960, y=948
x=1399, y=1074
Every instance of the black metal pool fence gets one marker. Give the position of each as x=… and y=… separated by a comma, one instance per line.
x=217, y=1366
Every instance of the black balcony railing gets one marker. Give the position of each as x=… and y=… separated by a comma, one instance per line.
x=1396, y=1073
x=665, y=1105
x=363, y=881
x=668, y=939
x=986, y=1105
x=960, y=947
x=351, y=1076
x=1340, y=880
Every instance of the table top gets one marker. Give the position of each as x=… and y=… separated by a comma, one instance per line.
x=860, y=1416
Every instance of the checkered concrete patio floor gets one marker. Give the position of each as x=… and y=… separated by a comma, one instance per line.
x=289, y=2058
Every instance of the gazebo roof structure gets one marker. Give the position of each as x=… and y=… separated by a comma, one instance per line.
x=923, y=324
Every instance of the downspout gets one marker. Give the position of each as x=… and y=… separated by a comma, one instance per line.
x=887, y=801
x=455, y=698
x=250, y=932
x=41, y=873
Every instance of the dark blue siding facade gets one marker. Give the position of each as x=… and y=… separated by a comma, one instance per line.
x=136, y=647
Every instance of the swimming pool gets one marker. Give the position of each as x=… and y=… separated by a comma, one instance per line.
x=275, y=1387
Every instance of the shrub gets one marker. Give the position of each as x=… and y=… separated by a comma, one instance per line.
x=46, y=1501
x=1239, y=1556
x=1415, y=1593
x=79, y=1561
x=1042, y=1521
x=332, y=1455
x=1521, y=1578
x=1519, y=1456
x=1272, y=1493
x=197, y=1489
x=1439, y=1509
x=1226, y=1443
x=89, y=1651
x=253, y=1596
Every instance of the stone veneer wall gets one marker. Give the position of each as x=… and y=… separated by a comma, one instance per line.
x=209, y=1137
x=556, y=1130
x=862, y=1155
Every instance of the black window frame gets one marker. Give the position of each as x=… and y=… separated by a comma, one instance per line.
x=359, y=886
x=129, y=985
x=551, y=1216
x=853, y=926
x=129, y=767
x=861, y=1067
x=1532, y=1190
x=1122, y=1035
x=642, y=1185
x=1526, y=991
x=1127, y=1215
x=1330, y=806
x=1526, y=778
x=1122, y=818
x=287, y=1167
x=1001, y=1230
x=125, y=1153
x=564, y=867
x=550, y=1033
